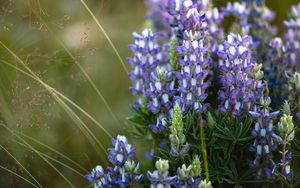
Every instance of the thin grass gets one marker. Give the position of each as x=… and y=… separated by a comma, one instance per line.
x=61, y=95
x=46, y=160
x=89, y=79
x=55, y=151
x=81, y=125
x=11, y=155
x=19, y=176
x=106, y=35
x=81, y=69
x=60, y=98
x=53, y=159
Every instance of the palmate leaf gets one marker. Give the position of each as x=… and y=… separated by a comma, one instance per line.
x=139, y=123
x=228, y=142
x=231, y=129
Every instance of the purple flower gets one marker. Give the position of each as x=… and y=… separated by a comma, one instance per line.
x=266, y=140
x=121, y=152
x=186, y=16
x=98, y=178
x=125, y=171
x=287, y=171
x=237, y=9
x=258, y=2
x=161, y=88
x=184, y=179
x=254, y=19
x=240, y=87
x=160, y=177
x=158, y=14
x=193, y=63
x=193, y=73
x=147, y=56
x=161, y=124
x=125, y=176
x=292, y=47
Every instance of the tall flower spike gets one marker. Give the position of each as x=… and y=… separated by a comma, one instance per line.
x=241, y=84
x=193, y=64
x=196, y=167
x=255, y=19
x=98, y=177
x=121, y=152
x=179, y=147
x=265, y=141
x=258, y=2
x=147, y=56
x=287, y=134
x=125, y=171
x=184, y=179
x=161, y=86
x=292, y=36
x=205, y=184
x=158, y=14
x=160, y=177
x=183, y=12
x=293, y=95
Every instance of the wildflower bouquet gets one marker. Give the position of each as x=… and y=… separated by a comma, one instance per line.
x=219, y=107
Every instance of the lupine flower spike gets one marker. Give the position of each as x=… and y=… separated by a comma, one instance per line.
x=266, y=140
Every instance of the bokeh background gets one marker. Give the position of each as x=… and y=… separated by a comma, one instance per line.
x=41, y=33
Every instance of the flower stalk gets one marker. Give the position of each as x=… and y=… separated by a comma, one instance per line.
x=203, y=148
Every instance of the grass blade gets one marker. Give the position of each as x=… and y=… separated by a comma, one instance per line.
x=61, y=95
x=46, y=160
x=53, y=159
x=55, y=151
x=105, y=34
x=11, y=155
x=81, y=125
x=19, y=176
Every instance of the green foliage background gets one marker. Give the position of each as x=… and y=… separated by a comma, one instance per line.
x=30, y=28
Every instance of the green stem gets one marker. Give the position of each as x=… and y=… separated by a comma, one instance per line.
x=203, y=148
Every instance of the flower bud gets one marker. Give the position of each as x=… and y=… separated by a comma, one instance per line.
x=265, y=101
x=205, y=184
x=286, y=108
x=162, y=165
x=196, y=167
x=257, y=73
x=286, y=124
x=185, y=171
x=295, y=81
x=130, y=166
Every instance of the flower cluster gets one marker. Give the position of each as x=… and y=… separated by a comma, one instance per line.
x=287, y=134
x=184, y=179
x=125, y=170
x=258, y=2
x=187, y=176
x=160, y=177
x=152, y=79
x=240, y=90
x=179, y=147
x=161, y=88
x=266, y=139
x=255, y=18
x=160, y=18
x=193, y=61
x=203, y=91
x=292, y=46
x=147, y=55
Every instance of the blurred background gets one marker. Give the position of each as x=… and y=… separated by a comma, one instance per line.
x=50, y=37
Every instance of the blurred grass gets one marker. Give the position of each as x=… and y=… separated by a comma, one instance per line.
x=27, y=107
